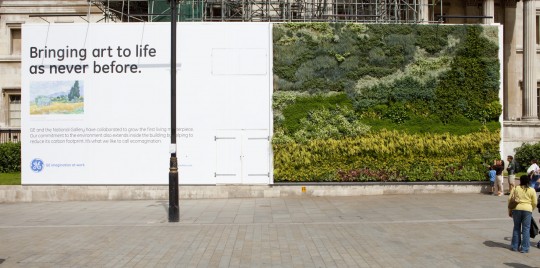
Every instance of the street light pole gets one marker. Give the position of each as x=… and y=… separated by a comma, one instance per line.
x=174, y=208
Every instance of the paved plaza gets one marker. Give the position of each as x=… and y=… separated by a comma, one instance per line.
x=428, y=230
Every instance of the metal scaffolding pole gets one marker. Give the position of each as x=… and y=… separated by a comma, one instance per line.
x=361, y=11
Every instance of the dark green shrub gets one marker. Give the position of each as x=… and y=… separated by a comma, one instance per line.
x=377, y=57
x=10, y=157
x=401, y=48
x=463, y=90
x=434, y=38
x=525, y=153
x=431, y=124
x=407, y=91
x=397, y=113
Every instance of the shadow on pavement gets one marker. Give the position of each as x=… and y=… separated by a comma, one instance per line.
x=493, y=244
x=518, y=265
x=164, y=204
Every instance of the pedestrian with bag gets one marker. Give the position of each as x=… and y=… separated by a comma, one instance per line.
x=533, y=171
x=521, y=202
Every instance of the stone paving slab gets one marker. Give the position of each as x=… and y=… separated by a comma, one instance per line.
x=428, y=230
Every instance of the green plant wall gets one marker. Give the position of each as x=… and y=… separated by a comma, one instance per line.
x=386, y=102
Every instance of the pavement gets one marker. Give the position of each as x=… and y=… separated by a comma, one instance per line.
x=422, y=230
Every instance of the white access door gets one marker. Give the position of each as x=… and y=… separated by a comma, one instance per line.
x=228, y=152
x=255, y=156
x=242, y=157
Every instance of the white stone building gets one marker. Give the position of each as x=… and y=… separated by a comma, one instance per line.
x=13, y=14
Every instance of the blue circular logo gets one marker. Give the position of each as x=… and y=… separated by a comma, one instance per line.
x=36, y=165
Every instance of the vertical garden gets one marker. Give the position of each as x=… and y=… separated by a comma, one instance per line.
x=385, y=102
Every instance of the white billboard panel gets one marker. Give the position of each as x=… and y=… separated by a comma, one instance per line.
x=96, y=101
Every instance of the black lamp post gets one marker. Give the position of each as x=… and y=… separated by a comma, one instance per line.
x=174, y=208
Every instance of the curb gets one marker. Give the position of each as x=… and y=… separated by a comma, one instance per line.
x=50, y=193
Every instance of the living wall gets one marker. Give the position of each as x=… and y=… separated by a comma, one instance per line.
x=370, y=102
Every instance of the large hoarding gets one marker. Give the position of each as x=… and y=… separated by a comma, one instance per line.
x=96, y=103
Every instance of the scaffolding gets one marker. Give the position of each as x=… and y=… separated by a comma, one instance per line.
x=362, y=11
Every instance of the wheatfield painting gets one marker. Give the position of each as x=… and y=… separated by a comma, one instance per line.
x=56, y=97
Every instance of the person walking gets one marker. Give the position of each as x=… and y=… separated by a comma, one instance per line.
x=522, y=214
x=533, y=172
x=511, y=169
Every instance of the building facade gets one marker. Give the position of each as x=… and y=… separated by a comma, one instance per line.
x=13, y=14
x=520, y=20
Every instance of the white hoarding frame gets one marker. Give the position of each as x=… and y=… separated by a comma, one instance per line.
x=103, y=118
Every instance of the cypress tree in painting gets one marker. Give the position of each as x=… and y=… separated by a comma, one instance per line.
x=74, y=93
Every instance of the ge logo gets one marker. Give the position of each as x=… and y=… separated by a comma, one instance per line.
x=37, y=165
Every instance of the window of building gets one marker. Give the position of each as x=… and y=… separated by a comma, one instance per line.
x=14, y=114
x=213, y=11
x=441, y=17
x=538, y=98
x=537, y=29
x=12, y=104
x=15, y=41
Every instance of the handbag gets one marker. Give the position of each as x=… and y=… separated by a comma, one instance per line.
x=534, y=228
x=538, y=203
x=513, y=201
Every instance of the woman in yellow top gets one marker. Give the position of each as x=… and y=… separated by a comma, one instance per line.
x=522, y=214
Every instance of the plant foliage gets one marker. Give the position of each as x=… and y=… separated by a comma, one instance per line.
x=526, y=153
x=10, y=157
x=387, y=156
x=343, y=91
